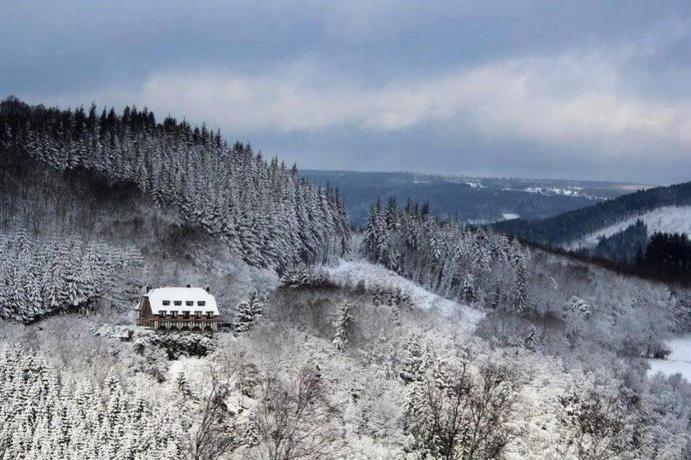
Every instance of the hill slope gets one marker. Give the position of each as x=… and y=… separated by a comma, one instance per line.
x=660, y=205
x=262, y=210
x=84, y=198
x=665, y=219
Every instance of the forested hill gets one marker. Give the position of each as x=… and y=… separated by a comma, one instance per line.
x=574, y=225
x=262, y=210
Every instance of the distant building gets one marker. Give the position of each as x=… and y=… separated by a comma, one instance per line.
x=178, y=308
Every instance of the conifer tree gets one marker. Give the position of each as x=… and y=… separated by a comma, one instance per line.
x=248, y=312
x=264, y=212
x=343, y=325
x=414, y=361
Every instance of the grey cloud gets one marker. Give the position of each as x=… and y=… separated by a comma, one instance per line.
x=536, y=87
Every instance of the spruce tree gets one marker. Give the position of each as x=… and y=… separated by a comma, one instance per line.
x=248, y=312
x=343, y=325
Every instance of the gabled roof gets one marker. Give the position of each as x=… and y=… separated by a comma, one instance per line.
x=183, y=295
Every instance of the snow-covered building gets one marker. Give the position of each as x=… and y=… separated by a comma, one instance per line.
x=179, y=308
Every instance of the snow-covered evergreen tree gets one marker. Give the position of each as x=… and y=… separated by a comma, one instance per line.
x=44, y=275
x=248, y=312
x=262, y=210
x=413, y=364
x=448, y=258
x=343, y=325
x=44, y=417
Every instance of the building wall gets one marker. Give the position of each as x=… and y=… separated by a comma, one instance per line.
x=144, y=312
x=184, y=323
x=147, y=319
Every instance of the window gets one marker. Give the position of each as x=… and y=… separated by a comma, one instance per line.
x=209, y=314
x=166, y=302
x=177, y=302
x=186, y=314
x=162, y=313
x=173, y=313
x=198, y=314
x=189, y=303
x=201, y=303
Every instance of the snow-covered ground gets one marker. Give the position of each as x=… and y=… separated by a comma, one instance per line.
x=510, y=216
x=668, y=219
x=351, y=272
x=570, y=191
x=678, y=362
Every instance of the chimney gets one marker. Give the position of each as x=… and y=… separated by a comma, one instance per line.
x=189, y=285
x=146, y=289
x=207, y=289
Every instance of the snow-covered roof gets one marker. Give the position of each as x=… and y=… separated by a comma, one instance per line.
x=179, y=299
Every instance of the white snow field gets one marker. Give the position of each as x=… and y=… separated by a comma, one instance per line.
x=668, y=219
x=678, y=362
x=351, y=272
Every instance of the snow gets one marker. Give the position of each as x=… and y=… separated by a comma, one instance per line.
x=510, y=216
x=182, y=295
x=351, y=272
x=678, y=362
x=668, y=219
x=475, y=184
x=572, y=191
x=114, y=331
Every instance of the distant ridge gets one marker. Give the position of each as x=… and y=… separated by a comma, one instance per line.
x=568, y=227
x=467, y=198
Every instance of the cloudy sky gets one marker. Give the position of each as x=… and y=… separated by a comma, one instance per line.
x=572, y=89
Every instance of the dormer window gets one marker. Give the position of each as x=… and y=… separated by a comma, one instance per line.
x=173, y=313
x=201, y=303
x=177, y=303
x=198, y=314
x=189, y=303
x=209, y=314
x=162, y=313
x=166, y=302
x=185, y=314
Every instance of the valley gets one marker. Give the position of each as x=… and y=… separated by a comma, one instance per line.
x=345, y=230
x=471, y=199
x=404, y=337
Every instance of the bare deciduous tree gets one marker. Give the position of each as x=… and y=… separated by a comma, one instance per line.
x=597, y=421
x=218, y=432
x=453, y=414
x=295, y=419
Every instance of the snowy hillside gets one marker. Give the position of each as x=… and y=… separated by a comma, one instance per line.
x=352, y=272
x=667, y=219
x=429, y=330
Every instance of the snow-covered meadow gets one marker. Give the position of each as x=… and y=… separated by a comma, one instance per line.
x=678, y=361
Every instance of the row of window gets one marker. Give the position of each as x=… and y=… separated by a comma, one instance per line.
x=189, y=303
x=206, y=327
x=185, y=314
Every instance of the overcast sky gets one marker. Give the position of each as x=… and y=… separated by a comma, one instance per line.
x=571, y=89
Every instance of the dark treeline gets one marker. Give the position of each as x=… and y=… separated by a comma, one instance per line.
x=661, y=255
x=669, y=255
x=645, y=265
x=447, y=257
x=626, y=246
x=260, y=209
x=573, y=225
